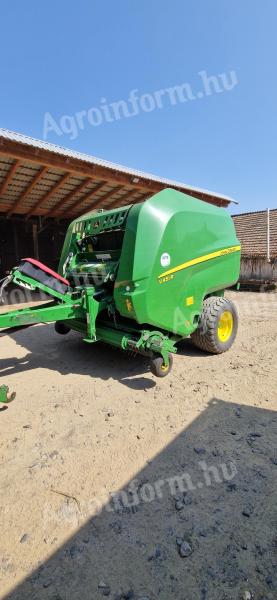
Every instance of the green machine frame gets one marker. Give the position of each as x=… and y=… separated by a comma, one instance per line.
x=78, y=310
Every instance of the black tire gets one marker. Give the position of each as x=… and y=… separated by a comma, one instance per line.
x=61, y=328
x=209, y=336
x=157, y=366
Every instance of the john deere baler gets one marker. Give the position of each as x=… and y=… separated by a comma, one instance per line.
x=141, y=278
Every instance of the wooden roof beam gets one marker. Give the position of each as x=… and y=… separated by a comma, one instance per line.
x=9, y=176
x=49, y=194
x=117, y=202
x=89, y=194
x=98, y=203
x=28, y=189
x=68, y=197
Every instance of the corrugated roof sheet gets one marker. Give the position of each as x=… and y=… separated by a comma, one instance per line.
x=252, y=231
x=39, y=144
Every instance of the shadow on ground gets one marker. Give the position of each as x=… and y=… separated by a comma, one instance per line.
x=208, y=496
x=69, y=354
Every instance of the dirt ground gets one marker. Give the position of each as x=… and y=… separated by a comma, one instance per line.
x=116, y=484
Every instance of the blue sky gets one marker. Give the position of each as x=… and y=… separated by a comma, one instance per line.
x=63, y=58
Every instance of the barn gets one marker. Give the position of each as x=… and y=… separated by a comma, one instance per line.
x=257, y=232
x=44, y=186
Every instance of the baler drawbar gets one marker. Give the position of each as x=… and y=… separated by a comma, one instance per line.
x=141, y=278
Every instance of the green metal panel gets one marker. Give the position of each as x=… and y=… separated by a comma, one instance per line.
x=91, y=223
x=46, y=313
x=167, y=231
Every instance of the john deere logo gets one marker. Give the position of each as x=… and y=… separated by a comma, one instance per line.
x=165, y=259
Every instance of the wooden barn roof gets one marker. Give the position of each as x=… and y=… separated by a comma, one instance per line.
x=252, y=231
x=38, y=178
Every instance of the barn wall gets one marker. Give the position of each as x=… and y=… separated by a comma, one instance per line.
x=258, y=269
x=16, y=241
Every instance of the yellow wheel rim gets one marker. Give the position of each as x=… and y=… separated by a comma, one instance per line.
x=164, y=368
x=225, y=326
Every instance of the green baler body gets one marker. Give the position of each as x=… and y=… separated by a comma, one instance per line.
x=162, y=235
x=175, y=251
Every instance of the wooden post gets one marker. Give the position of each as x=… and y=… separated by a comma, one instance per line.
x=268, y=235
x=35, y=241
x=15, y=239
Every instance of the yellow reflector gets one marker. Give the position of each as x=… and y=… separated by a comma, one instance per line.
x=129, y=305
x=189, y=300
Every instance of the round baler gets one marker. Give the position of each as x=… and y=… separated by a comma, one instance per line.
x=142, y=278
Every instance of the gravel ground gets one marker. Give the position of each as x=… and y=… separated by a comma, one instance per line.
x=116, y=484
